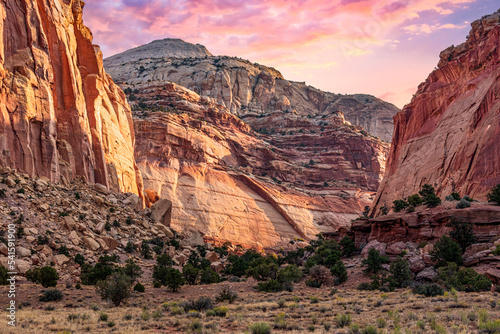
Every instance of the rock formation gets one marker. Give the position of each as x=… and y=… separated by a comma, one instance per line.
x=294, y=177
x=448, y=135
x=61, y=115
x=244, y=87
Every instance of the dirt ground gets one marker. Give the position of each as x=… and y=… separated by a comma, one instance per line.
x=304, y=310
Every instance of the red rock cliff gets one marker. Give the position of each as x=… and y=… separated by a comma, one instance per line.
x=61, y=115
x=448, y=136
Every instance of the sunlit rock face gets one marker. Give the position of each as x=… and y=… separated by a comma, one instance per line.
x=448, y=136
x=259, y=181
x=61, y=115
x=244, y=87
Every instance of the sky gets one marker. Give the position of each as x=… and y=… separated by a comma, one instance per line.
x=381, y=47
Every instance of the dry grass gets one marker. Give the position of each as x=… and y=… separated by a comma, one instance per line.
x=291, y=312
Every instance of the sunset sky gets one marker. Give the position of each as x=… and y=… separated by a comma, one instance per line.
x=385, y=48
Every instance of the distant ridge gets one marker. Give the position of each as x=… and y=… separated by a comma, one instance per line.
x=162, y=48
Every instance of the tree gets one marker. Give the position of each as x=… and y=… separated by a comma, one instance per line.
x=429, y=196
x=48, y=277
x=263, y=268
x=173, y=279
x=348, y=246
x=414, y=200
x=400, y=273
x=115, y=288
x=209, y=276
x=339, y=272
x=132, y=270
x=190, y=273
x=446, y=250
x=374, y=261
x=462, y=233
x=494, y=195
x=399, y=205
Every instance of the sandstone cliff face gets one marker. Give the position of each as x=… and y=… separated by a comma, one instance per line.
x=244, y=87
x=61, y=115
x=299, y=176
x=448, y=135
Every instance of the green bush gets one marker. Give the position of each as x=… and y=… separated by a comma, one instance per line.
x=399, y=205
x=173, y=279
x=414, y=200
x=238, y=265
x=132, y=270
x=271, y=285
x=490, y=327
x=320, y=275
x=289, y=274
x=115, y=288
x=102, y=269
x=339, y=272
x=429, y=196
x=462, y=204
x=160, y=270
x=455, y=196
x=374, y=261
x=201, y=304
x=260, y=328
x=209, y=276
x=80, y=259
x=446, y=250
x=326, y=253
x=46, y=276
x=343, y=320
x=462, y=233
x=139, y=287
x=263, y=268
x=51, y=295
x=130, y=247
x=190, y=273
x=494, y=195
x=400, y=274
x=429, y=290
x=463, y=279
x=348, y=246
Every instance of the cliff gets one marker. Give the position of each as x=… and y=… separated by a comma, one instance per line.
x=258, y=182
x=61, y=115
x=244, y=87
x=448, y=135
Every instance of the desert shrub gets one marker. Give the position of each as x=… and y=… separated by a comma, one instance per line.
x=115, y=288
x=209, y=276
x=160, y=270
x=429, y=290
x=494, y=195
x=226, y=294
x=369, y=330
x=400, y=274
x=263, y=268
x=104, y=267
x=146, y=250
x=164, y=260
x=130, y=247
x=51, y=295
x=201, y=304
x=238, y=265
x=462, y=233
x=374, y=261
x=260, y=328
x=46, y=276
x=490, y=327
x=462, y=204
x=414, y=200
x=455, y=196
x=190, y=273
x=328, y=253
x=384, y=210
x=271, y=285
x=463, y=279
x=399, y=205
x=339, y=272
x=348, y=246
x=365, y=286
x=496, y=251
x=446, y=250
x=290, y=273
x=429, y=196
x=320, y=275
x=79, y=258
x=139, y=287
x=343, y=320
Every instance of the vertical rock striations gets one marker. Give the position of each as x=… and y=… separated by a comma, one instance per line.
x=61, y=115
x=448, y=136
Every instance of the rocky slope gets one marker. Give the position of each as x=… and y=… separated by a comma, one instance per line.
x=61, y=115
x=448, y=135
x=299, y=176
x=244, y=87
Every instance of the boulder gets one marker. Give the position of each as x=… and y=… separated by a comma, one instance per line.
x=417, y=264
x=164, y=229
x=4, y=249
x=91, y=243
x=428, y=274
x=60, y=259
x=161, y=212
x=180, y=259
x=23, y=252
x=476, y=248
x=381, y=247
x=69, y=223
x=110, y=242
x=101, y=188
x=395, y=248
x=23, y=266
x=133, y=201
x=75, y=239
x=217, y=267
x=212, y=257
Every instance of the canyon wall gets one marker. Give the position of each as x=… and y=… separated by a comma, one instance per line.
x=61, y=115
x=294, y=177
x=448, y=135
x=244, y=87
